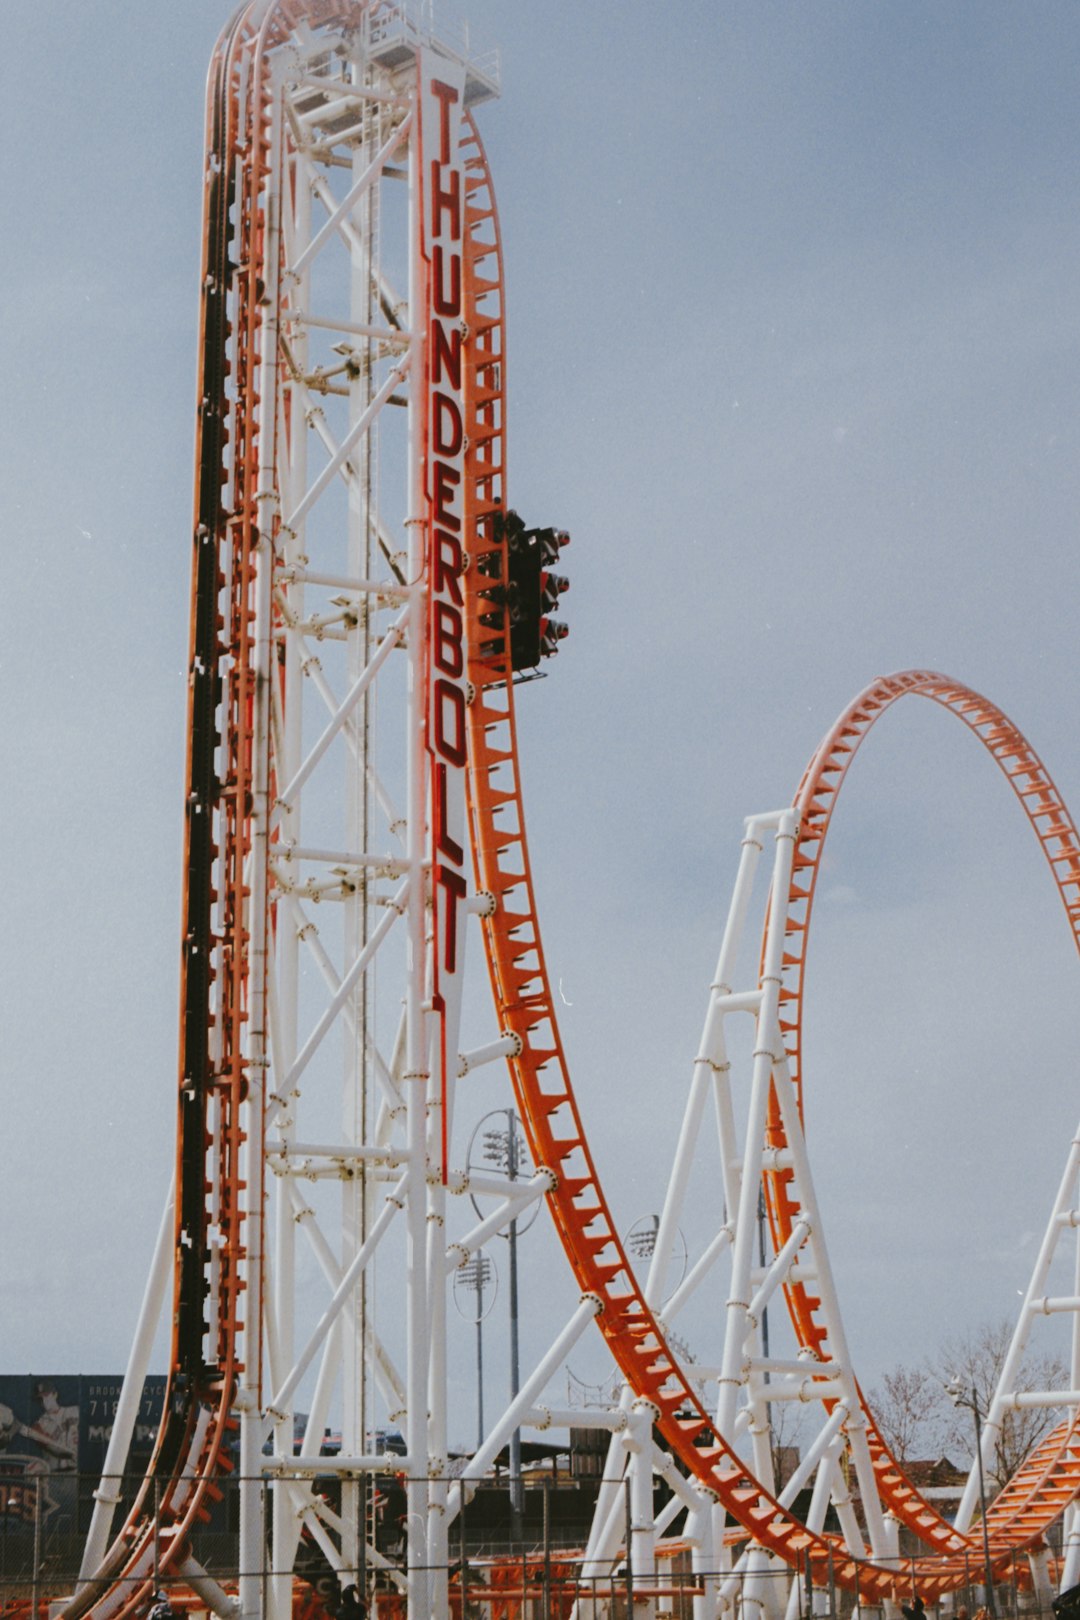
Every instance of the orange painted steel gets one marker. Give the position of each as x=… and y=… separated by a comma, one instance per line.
x=541, y=1077
x=153, y=1540
x=521, y=986
x=1050, y=1477
x=190, y=1452
x=544, y=1093
x=218, y=835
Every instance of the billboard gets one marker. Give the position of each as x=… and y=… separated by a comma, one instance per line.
x=54, y=1429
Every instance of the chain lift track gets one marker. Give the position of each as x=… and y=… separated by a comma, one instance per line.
x=190, y=1452
x=292, y=82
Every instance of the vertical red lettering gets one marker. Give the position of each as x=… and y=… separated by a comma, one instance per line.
x=448, y=430
x=445, y=202
x=448, y=566
x=447, y=95
x=450, y=722
x=447, y=479
x=447, y=638
x=443, y=841
x=455, y=887
x=446, y=343
x=446, y=304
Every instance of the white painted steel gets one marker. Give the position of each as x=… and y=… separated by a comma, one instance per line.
x=107, y=1494
x=750, y=1383
x=1061, y=1226
x=348, y=1028
x=753, y=1385
x=514, y=1415
x=352, y=1033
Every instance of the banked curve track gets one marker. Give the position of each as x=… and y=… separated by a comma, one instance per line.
x=1034, y=1499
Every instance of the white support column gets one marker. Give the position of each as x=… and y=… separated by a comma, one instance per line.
x=1070, y=1574
x=704, y=1563
x=288, y=745
x=991, y=1425
x=416, y=1076
x=107, y=1494
x=641, y=1552
x=1042, y=1586
x=609, y=1497
x=702, y=1077
x=766, y=1057
x=252, y=1548
x=830, y=1304
x=752, y=1594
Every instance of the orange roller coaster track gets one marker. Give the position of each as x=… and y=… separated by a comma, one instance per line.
x=351, y=731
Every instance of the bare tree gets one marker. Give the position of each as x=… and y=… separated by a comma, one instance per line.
x=910, y=1408
x=918, y=1420
x=787, y=1436
x=976, y=1358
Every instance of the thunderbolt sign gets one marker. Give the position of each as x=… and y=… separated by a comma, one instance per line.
x=443, y=229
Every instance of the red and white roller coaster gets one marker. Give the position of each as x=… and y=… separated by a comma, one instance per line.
x=351, y=741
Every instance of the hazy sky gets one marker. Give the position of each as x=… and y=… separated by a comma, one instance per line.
x=793, y=323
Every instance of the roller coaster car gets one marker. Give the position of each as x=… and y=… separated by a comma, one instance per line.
x=1067, y=1604
x=530, y=592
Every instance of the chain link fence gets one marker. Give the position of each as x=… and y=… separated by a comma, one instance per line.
x=491, y=1573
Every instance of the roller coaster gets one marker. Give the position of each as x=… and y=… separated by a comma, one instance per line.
x=354, y=841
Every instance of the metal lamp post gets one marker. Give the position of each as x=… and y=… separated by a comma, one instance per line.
x=507, y=1151
x=474, y=1278
x=955, y=1389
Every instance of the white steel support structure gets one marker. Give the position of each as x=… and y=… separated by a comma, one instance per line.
x=363, y=997
x=311, y=1245
x=338, y=181
x=746, y=1381
x=337, y=214
x=758, y=1143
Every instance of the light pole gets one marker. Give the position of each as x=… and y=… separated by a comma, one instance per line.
x=641, y=1238
x=955, y=1390
x=475, y=1276
x=506, y=1149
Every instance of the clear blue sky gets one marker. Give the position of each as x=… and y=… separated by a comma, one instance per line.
x=794, y=355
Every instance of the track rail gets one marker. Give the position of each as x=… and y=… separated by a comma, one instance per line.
x=215, y=1213
x=1051, y=1475
x=219, y=1200
x=545, y=1096
x=189, y=1452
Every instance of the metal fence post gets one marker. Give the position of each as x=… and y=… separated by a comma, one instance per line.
x=35, y=1591
x=629, y=1558
x=547, y=1547
x=463, y=1550
x=157, y=1526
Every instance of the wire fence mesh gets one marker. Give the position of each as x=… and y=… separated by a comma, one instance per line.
x=502, y=1564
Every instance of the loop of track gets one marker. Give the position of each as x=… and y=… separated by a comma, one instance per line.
x=1050, y=1477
